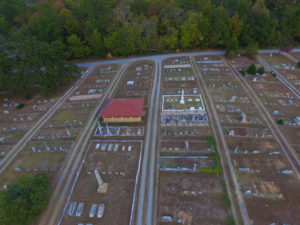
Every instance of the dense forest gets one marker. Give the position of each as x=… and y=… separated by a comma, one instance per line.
x=37, y=37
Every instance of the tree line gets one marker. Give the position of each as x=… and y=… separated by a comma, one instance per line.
x=61, y=30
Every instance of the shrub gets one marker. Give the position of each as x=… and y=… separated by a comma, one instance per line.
x=251, y=69
x=20, y=106
x=280, y=121
x=261, y=70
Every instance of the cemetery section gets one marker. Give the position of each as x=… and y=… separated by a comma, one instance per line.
x=190, y=184
x=263, y=172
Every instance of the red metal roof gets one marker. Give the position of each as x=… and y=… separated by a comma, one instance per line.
x=124, y=107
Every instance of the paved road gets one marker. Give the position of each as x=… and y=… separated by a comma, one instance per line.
x=64, y=183
x=287, y=149
x=145, y=198
x=40, y=123
x=281, y=78
x=239, y=209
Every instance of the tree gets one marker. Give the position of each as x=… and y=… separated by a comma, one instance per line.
x=47, y=24
x=251, y=50
x=251, y=69
x=97, y=44
x=76, y=48
x=22, y=202
x=232, y=47
x=192, y=33
x=126, y=40
x=28, y=62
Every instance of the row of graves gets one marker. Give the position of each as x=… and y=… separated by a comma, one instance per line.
x=53, y=143
x=285, y=66
x=18, y=116
x=277, y=98
x=265, y=178
x=105, y=190
x=189, y=172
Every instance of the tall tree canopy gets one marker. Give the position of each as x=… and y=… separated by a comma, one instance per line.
x=94, y=28
x=22, y=202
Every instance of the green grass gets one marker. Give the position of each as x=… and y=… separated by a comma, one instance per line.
x=224, y=195
x=40, y=160
x=231, y=222
x=211, y=141
x=70, y=115
x=210, y=170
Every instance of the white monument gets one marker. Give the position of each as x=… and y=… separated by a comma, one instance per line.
x=102, y=187
x=182, y=98
x=68, y=132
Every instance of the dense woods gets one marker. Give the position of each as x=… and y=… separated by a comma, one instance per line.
x=21, y=203
x=37, y=34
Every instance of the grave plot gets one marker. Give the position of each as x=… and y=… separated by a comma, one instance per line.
x=95, y=84
x=285, y=67
x=70, y=117
x=185, y=163
x=30, y=163
x=108, y=176
x=79, y=104
x=271, y=188
x=138, y=81
x=248, y=132
x=4, y=150
x=176, y=91
x=250, y=146
x=184, y=146
x=50, y=146
x=57, y=134
x=107, y=131
x=240, y=118
x=184, y=131
x=260, y=164
x=191, y=198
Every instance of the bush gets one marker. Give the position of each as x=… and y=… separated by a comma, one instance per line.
x=20, y=106
x=22, y=203
x=251, y=69
x=261, y=70
x=251, y=50
x=280, y=121
x=242, y=72
x=298, y=65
